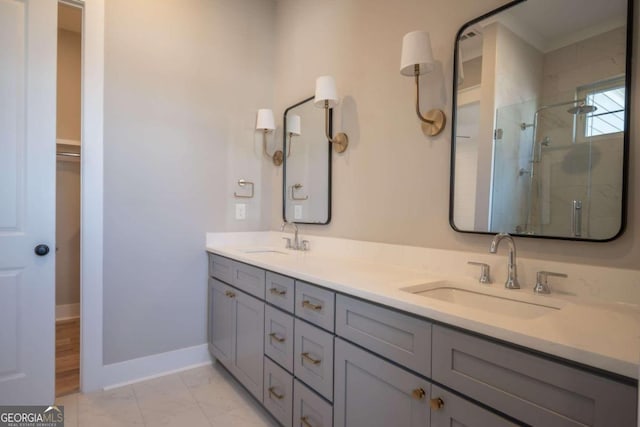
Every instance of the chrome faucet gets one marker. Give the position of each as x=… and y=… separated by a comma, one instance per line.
x=296, y=244
x=512, y=270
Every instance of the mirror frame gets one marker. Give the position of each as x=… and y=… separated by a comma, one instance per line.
x=627, y=121
x=284, y=165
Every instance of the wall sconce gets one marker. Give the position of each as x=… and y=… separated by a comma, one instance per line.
x=266, y=124
x=327, y=97
x=293, y=129
x=417, y=59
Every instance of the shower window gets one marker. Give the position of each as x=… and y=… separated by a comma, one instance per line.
x=609, y=99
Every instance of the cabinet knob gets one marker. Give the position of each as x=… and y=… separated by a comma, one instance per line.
x=230, y=294
x=418, y=393
x=305, y=421
x=436, y=403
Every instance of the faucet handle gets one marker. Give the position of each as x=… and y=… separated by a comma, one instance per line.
x=305, y=245
x=542, y=286
x=288, y=239
x=485, y=275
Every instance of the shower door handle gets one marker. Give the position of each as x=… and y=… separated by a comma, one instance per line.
x=576, y=218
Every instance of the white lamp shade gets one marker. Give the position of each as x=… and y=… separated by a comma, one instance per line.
x=416, y=49
x=326, y=91
x=265, y=120
x=293, y=124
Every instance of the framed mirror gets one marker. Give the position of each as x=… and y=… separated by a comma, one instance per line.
x=306, y=179
x=541, y=120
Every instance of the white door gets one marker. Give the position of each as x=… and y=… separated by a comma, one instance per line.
x=28, y=38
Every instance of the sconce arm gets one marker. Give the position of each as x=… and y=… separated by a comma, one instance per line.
x=341, y=140
x=277, y=156
x=435, y=119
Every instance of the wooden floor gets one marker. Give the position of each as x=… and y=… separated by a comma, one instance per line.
x=67, y=356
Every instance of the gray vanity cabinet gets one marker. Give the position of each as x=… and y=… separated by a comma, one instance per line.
x=372, y=392
x=236, y=334
x=533, y=389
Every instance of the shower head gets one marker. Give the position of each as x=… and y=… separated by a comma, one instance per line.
x=582, y=108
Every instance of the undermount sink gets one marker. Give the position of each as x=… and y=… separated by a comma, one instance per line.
x=488, y=299
x=263, y=251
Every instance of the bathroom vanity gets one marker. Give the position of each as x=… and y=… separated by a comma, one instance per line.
x=326, y=342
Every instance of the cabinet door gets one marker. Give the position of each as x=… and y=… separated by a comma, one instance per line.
x=315, y=305
x=221, y=268
x=278, y=392
x=278, y=335
x=280, y=291
x=372, y=392
x=220, y=321
x=248, y=343
x=456, y=411
x=309, y=409
x=313, y=358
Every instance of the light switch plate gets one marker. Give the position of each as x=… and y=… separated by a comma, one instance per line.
x=241, y=211
x=297, y=212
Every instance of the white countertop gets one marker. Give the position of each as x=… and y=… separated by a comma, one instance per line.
x=597, y=334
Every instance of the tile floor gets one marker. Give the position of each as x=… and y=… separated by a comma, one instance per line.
x=207, y=396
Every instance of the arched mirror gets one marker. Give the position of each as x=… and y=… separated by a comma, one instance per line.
x=541, y=120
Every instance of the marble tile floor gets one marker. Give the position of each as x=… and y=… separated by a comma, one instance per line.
x=206, y=396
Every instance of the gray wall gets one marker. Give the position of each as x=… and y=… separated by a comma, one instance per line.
x=183, y=81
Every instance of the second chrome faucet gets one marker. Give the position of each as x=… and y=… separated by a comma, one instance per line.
x=296, y=244
x=512, y=269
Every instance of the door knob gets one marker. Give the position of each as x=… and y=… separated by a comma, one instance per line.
x=41, y=250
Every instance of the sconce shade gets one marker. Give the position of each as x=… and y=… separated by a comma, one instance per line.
x=326, y=91
x=293, y=124
x=265, y=120
x=416, y=49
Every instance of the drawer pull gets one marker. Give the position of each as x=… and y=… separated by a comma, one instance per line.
x=276, y=291
x=305, y=421
x=436, y=403
x=314, y=307
x=272, y=392
x=230, y=294
x=275, y=336
x=305, y=356
x=418, y=393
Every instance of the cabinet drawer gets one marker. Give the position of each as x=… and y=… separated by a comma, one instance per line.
x=401, y=338
x=457, y=411
x=278, y=339
x=528, y=387
x=278, y=392
x=313, y=358
x=373, y=392
x=221, y=268
x=315, y=305
x=248, y=278
x=280, y=291
x=309, y=409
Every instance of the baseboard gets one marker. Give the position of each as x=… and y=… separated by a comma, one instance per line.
x=157, y=365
